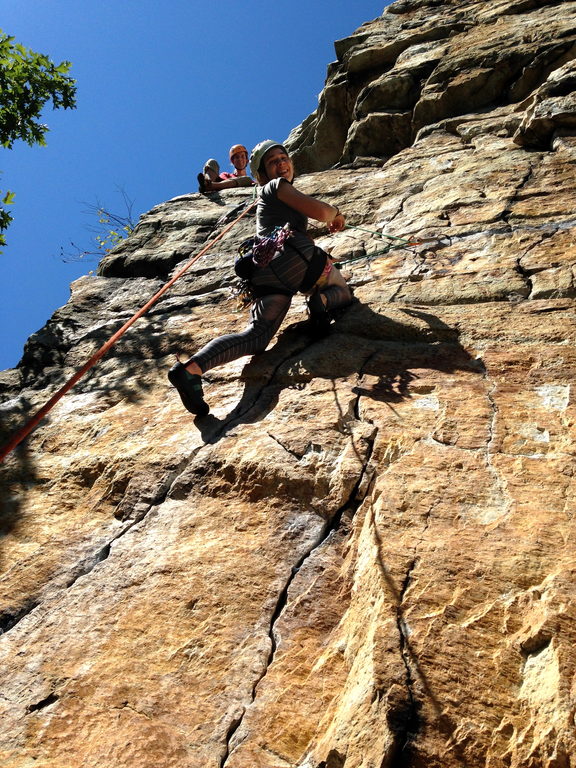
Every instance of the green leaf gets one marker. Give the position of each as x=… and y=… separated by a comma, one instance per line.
x=28, y=82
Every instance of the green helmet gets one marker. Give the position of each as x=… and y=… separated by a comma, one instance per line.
x=258, y=153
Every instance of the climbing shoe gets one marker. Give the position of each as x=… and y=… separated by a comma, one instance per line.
x=189, y=388
x=319, y=325
x=319, y=320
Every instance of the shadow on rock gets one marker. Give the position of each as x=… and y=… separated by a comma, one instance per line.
x=125, y=373
x=361, y=342
x=11, y=478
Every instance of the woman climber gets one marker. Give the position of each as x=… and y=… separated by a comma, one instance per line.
x=284, y=261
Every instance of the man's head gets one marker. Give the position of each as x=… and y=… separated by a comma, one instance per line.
x=239, y=156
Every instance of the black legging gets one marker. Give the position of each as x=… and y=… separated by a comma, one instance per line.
x=266, y=316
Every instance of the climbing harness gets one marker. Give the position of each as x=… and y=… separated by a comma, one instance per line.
x=264, y=248
x=259, y=251
x=22, y=433
x=254, y=252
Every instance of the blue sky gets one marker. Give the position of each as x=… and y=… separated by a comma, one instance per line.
x=161, y=87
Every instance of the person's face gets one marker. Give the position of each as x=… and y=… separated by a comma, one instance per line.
x=240, y=160
x=278, y=165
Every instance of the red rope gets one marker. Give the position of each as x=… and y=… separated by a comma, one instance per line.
x=22, y=433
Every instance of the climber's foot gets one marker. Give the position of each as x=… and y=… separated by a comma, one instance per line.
x=189, y=388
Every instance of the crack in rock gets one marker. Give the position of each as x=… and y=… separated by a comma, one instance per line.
x=411, y=719
x=403, y=716
x=52, y=698
x=500, y=483
x=290, y=452
x=350, y=506
x=514, y=197
x=525, y=275
x=9, y=620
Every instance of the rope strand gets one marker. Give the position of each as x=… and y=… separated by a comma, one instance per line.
x=402, y=243
x=22, y=433
x=382, y=234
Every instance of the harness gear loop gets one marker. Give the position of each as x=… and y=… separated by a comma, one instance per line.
x=24, y=431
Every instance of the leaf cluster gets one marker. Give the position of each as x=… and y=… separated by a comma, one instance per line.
x=115, y=229
x=27, y=81
x=5, y=217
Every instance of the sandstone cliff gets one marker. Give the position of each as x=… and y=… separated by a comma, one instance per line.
x=364, y=557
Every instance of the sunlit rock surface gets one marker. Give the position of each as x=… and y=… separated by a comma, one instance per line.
x=364, y=557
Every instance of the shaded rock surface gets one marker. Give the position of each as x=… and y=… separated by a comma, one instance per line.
x=364, y=557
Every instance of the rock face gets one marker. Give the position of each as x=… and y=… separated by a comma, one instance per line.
x=440, y=63
x=364, y=557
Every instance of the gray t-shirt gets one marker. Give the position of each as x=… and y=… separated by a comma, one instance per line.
x=289, y=267
x=272, y=212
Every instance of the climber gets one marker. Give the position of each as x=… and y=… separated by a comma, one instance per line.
x=211, y=180
x=292, y=264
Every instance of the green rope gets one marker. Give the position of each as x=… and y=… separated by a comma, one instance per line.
x=378, y=234
x=373, y=254
x=402, y=243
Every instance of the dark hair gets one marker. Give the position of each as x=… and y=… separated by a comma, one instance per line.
x=261, y=166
